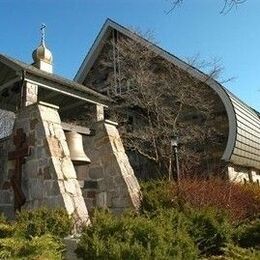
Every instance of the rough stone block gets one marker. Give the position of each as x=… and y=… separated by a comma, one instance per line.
x=33, y=123
x=8, y=211
x=101, y=200
x=90, y=203
x=5, y=197
x=40, y=152
x=6, y=185
x=65, y=148
x=55, y=202
x=55, y=147
x=39, y=131
x=46, y=173
x=81, y=184
x=35, y=188
x=72, y=186
x=68, y=169
x=90, y=185
x=120, y=202
x=43, y=162
x=82, y=172
x=31, y=168
x=31, y=139
x=91, y=194
x=101, y=185
x=96, y=173
x=71, y=246
x=51, y=188
x=59, y=133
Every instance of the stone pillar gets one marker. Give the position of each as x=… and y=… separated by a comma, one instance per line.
x=110, y=173
x=29, y=94
x=100, y=113
x=48, y=176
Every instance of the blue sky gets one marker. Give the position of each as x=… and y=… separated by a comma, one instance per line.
x=196, y=27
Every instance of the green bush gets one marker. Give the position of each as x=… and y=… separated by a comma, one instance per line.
x=135, y=237
x=44, y=247
x=209, y=227
x=248, y=234
x=6, y=229
x=210, y=230
x=156, y=195
x=233, y=252
x=40, y=221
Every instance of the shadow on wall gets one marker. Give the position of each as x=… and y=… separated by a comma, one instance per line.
x=6, y=123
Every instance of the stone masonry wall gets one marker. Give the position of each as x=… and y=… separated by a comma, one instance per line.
x=6, y=191
x=109, y=180
x=49, y=178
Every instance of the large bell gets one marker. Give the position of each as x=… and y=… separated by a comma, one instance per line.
x=75, y=144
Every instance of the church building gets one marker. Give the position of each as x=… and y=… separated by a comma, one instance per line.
x=50, y=157
x=240, y=148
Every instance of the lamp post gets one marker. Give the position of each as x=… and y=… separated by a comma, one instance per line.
x=174, y=144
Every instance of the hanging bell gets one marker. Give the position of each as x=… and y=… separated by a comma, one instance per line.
x=75, y=144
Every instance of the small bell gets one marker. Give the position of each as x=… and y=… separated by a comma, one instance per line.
x=75, y=144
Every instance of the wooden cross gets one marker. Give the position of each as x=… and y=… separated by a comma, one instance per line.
x=22, y=150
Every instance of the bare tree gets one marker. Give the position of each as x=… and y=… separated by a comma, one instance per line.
x=228, y=5
x=154, y=100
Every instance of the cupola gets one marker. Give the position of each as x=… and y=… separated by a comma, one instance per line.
x=42, y=56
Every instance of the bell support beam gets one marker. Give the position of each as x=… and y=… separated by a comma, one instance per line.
x=79, y=129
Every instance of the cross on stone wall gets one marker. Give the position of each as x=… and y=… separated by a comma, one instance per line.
x=22, y=150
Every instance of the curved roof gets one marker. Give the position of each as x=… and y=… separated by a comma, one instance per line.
x=246, y=149
x=243, y=145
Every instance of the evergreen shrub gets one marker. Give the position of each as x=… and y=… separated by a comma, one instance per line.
x=156, y=195
x=248, y=234
x=132, y=236
x=44, y=247
x=234, y=252
x=37, y=222
x=210, y=230
x=6, y=230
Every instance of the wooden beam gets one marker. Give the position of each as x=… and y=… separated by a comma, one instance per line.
x=67, y=91
x=76, y=128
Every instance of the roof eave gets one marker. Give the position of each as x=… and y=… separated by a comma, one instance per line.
x=94, y=51
x=81, y=94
